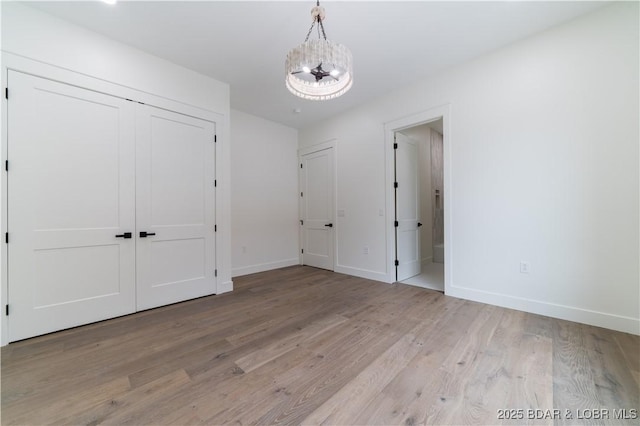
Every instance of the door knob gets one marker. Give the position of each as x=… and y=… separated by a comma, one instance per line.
x=125, y=235
x=419, y=224
x=144, y=234
x=330, y=225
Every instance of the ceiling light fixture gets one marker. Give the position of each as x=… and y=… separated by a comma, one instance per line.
x=319, y=69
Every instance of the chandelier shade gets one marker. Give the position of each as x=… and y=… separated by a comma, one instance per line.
x=319, y=69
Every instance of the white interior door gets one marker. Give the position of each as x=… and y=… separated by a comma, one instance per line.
x=407, y=208
x=317, y=208
x=70, y=194
x=175, y=207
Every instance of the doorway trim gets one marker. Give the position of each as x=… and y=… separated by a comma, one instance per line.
x=329, y=144
x=390, y=128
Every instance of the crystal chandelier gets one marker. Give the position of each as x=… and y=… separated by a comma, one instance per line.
x=319, y=69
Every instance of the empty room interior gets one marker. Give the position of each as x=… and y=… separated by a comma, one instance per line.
x=334, y=212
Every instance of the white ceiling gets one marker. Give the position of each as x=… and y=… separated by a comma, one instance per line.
x=245, y=43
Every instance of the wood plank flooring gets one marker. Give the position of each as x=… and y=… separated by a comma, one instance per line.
x=305, y=346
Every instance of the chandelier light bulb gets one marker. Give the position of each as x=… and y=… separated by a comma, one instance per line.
x=306, y=69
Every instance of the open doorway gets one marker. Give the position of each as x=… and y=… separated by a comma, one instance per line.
x=419, y=205
x=392, y=129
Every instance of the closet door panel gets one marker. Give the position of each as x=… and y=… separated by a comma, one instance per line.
x=70, y=192
x=175, y=207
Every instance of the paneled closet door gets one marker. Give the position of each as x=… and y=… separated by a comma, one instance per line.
x=71, y=201
x=175, y=207
x=317, y=183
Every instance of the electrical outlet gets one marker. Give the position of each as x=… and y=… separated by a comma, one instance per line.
x=525, y=267
x=366, y=250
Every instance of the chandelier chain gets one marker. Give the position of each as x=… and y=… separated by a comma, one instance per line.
x=309, y=33
x=320, y=27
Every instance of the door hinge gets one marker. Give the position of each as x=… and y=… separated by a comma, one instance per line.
x=395, y=146
x=301, y=165
x=6, y=309
x=6, y=165
x=395, y=184
x=302, y=251
x=397, y=262
x=6, y=238
x=6, y=93
x=215, y=273
x=215, y=228
x=301, y=194
x=215, y=183
x=301, y=222
x=215, y=138
x=396, y=224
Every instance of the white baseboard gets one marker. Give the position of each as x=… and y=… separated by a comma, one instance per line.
x=362, y=273
x=569, y=313
x=262, y=267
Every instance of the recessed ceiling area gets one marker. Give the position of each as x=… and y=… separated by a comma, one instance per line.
x=245, y=43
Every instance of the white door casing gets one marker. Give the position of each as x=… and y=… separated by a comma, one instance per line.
x=70, y=192
x=407, y=208
x=317, y=208
x=175, y=206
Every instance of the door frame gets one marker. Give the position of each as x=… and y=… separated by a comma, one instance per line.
x=330, y=144
x=390, y=128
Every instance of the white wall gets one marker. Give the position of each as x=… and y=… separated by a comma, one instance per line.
x=33, y=41
x=33, y=34
x=544, y=168
x=264, y=187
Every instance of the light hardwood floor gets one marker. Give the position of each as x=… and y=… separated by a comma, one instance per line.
x=302, y=345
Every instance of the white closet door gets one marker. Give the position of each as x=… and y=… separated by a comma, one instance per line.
x=70, y=192
x=175, y=196
x=317, y=209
